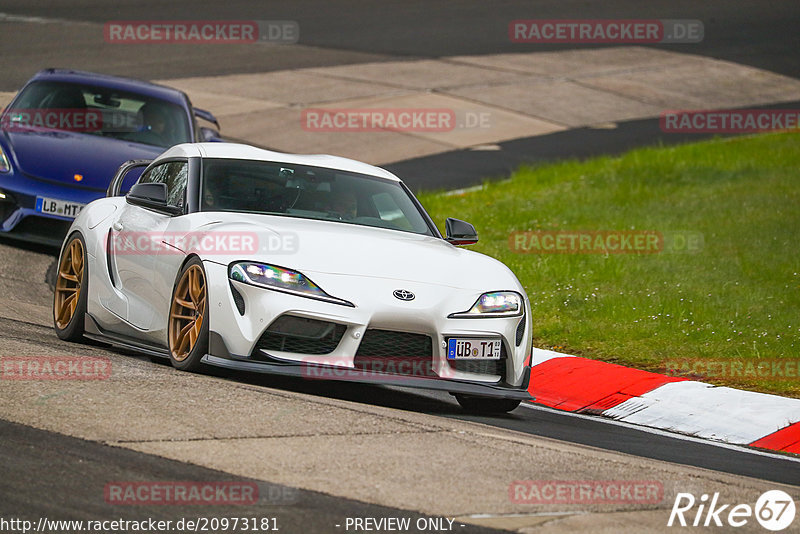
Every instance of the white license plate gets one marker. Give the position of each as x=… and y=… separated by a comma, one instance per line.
x=473, y=349
x=58, y=207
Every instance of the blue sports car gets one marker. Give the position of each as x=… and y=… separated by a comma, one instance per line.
x=66, y=133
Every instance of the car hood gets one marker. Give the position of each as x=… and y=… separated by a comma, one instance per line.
x=59, y=155
x=347, y=249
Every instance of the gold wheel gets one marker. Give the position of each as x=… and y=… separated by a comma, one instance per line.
x=186, y=313
x=69, y=283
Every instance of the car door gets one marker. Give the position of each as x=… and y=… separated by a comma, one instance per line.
x=138, y=237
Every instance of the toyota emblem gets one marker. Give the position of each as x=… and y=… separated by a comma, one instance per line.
x=403, y=294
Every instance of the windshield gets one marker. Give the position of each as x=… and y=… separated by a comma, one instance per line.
x=99, y=111
x=309, y=193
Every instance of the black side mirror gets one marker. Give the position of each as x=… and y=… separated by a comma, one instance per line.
x=152, y=195
x=459, y=232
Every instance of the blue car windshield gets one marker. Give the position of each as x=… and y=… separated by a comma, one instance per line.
x=98, y=111
x=307, y=192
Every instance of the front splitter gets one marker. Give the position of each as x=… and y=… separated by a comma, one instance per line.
x=327, y=372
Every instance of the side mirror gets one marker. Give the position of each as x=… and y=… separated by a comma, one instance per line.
x=209, y=135
x=151, y=195
x=459, y=232
x=206, y=116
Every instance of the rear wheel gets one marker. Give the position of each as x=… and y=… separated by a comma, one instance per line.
x=486, y=405
x=188, y=318
x=69, y=299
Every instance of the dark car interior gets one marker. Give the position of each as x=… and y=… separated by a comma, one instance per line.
x=122, y=115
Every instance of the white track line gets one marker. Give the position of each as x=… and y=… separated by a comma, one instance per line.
x=7, y=17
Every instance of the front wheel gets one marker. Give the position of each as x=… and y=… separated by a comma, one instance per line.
x=486, y=405
x=188, y=318
x=69, y=300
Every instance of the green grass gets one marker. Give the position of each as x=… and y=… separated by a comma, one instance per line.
x=738, y=298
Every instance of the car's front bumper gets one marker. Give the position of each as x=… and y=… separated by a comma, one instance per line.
x=19, y=218
x=323, y=372
x=235, y=336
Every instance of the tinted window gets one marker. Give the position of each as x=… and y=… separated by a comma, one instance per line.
x=119, y=114
x=310, y=193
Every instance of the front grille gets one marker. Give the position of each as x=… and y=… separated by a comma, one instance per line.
x=6, y=209
x=390, y=344
x=483, y=367
x=396, y=353
x=288, y=333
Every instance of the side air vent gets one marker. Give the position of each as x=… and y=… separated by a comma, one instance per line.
x=238, y=299
x=520, y=330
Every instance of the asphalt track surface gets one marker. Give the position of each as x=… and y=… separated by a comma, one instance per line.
x=41, y=474
x=77, y=472
x=352, y=31
x=550, y=423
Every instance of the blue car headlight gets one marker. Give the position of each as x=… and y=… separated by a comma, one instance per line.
x=493, y=304
x=280, y=279
x=5, y=166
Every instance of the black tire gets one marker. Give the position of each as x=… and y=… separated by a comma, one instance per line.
x=71, y=286
x=486, y=405
x=185, y=353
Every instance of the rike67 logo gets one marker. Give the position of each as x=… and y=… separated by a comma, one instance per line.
x=774, y=510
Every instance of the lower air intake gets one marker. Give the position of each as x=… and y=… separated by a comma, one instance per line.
x=299, y=335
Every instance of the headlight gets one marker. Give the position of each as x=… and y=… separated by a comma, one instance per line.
x=280, y=279
x=494, y=304
x=5, y=166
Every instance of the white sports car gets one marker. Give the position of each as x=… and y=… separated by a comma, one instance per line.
x=313, y=266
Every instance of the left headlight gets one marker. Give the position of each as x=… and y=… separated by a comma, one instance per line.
x=281, y=279
x=493, y=304
x=5, y=166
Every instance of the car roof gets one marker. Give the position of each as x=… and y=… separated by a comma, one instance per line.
x=247, y=152
x=115, y=82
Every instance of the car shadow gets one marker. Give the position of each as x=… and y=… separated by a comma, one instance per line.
x=395, y=397
x=372, y=394
x=49, y=250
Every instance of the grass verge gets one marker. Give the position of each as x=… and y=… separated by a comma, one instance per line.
x=723, y=307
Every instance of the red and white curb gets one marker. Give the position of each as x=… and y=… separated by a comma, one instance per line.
x=580, y=385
